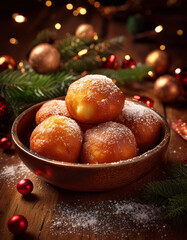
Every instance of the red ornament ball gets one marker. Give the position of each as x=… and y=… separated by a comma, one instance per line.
x=5, y=143
x=112, y=62
x=25, y=186
x=17, y=224
x=148, y=101
x=7, y=62
x=128, y=63
x=3, y=107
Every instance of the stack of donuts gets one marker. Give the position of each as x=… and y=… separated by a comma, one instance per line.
x=94, y=124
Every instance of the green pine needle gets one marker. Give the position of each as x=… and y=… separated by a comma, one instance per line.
x=178, y=171
x=171, y=192
x=177, y=208
x=70, y=46
x=86, y=63
x=45, y=36
x=126, y=75
x=23, y=90
x=159, y=192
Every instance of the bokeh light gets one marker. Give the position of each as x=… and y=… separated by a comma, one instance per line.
x=180, y=32
x=48, y=3
x=162, y=47
x=58, y=26
x=69, y=6
x=13, y=41
x=159, y=29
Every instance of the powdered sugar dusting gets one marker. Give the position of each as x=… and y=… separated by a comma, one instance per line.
x=14, y=172
x=97, y=85
x=111, y=133
x=117, y=219
x=52, y=108
x=133, y=112
x=108, y=142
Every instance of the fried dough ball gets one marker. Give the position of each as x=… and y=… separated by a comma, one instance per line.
x=94, y=99
x=108, y=142
x=58, y=138
x=144, y=124
x=51, y=108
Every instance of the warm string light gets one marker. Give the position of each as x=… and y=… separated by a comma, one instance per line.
x=95, y=37
x=13, y=41
x=177, y=71
x=69, y=6
x=58, y=26
x=48, y=3
x=19, y=18
x=97, y=4
x=162, y=47
x=159, y=29
x=127, y=57
x=82, y=52
x=151, y=74
x=179, y=32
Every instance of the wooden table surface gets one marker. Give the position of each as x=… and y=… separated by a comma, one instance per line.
x=40, y=208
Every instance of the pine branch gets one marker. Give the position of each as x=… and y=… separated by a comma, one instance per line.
x=110, y=45
x=23, y=90
x=177, y=208
x=86, y=63
x=45, y=36
x=70, y=46
x=172, y=192
x=161, y=191
x=126, y=75
x=178, y=171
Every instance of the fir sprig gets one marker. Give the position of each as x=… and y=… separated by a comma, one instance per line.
x=45, y=36
x=177, y=208
x=23, y=90
x=126, y=75
x=172, y=192
x=70, y=46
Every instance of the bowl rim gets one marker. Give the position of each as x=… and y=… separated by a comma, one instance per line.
x=147, y=154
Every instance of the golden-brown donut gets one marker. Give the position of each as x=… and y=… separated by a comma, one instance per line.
x=58, y=138
x=108, y=142
x=94, y=99
x=144, y=124
x=51, y=108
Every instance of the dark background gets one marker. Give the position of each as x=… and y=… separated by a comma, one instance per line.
x=171, y=14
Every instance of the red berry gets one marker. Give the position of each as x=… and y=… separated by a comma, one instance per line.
x=148, y=101
x=17, y=224
x=5, y=143
x=25, y=186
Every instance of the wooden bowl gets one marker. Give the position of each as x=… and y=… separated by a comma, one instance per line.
x=85, y=177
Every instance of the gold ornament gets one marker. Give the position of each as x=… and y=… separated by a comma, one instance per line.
x=44, y=58
x=159, y=60
x=85, y=31
x=166, y=88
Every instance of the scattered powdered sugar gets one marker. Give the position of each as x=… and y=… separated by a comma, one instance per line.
x=52, y=108
x=134, y=112
x=117, y=219
x=14, y=172
x=98, y=89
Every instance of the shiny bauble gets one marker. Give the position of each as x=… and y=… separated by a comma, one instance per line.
x=159, y=60
x=85, y=31
x=166, y=88
x=5, y=143
x=17, y=224
x=25, y=186
x=7, y=62
x=44, y=58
